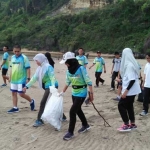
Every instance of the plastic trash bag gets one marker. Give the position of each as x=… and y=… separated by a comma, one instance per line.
x=53, y=111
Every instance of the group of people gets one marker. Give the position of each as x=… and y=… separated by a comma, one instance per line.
x=125, y=68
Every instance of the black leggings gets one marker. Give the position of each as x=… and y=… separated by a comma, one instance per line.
x=76, y=109
x=146, y=99
x=126, y=109
x=98, y=78
x=42, y=104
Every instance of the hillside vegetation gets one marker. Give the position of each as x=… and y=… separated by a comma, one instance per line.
x=123, y=24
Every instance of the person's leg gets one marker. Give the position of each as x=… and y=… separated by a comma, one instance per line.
x=25, y=96
x=15, y=100
x=100, y=79
x=146, y=99
x=42, y=104
x=113, y=80
x=39, y=121
x=77, y=102
x=97, y=78
x=4, y=72
x=5, y=78
x=130, y=108
x=122, y=107
x=80, y=112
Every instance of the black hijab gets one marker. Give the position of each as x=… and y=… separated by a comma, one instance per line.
x=73, y=65
x=50, y=60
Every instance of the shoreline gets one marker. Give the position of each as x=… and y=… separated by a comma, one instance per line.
x=60, y=54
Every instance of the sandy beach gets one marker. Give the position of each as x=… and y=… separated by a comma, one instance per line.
x=17, y=133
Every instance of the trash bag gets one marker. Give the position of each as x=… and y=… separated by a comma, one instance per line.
x=53, y=111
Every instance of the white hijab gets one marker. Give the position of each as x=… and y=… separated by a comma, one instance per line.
x=40, y=71
x=128, y=60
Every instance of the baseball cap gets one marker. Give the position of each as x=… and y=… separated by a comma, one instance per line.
x=98, y=52
x=66, y=56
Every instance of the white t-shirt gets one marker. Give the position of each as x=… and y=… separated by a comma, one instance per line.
x=147, y=74
x=116, y=62
x=135, y=89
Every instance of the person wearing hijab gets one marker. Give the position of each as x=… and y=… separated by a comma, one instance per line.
x=78, y=77
x=45, y=76
x=49, y=58
x=129, y=71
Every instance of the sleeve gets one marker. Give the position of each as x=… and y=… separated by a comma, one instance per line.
x=32, y=81
x=85, y=60
x=68, y=82
x=103, y=61
x=5, y=56
x=86, y=76
x=113, y=61
x=26, y=63
x=51, y=75
x=94, y=62
x=130, y=84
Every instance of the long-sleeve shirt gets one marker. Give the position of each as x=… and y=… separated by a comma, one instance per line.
x=47, y=80
x=80, y=78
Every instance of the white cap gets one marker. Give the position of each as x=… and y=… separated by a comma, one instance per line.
x=66, y=56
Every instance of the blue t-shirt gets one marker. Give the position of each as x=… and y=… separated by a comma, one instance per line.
x=99, y=62
x=6, y=58
x=82, y=60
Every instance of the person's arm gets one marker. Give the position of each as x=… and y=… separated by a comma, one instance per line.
x=28, y=74
x=2, y=64
x=103, y=63
x=91, y=66
x=68, y=82
x=10, y=75
x=112, y=68
x=94, y=62
x=104, y=68
x=31, y=82
x=88, y=81
x=144, y=77
x=85, y=61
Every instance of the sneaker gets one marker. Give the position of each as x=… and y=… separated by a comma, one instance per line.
x=68, y=136
x=4, y=85
x=112, y=89
x=124, y=128
x=132, y=126
x=32, y=104
x=84, y=129
x=116, y=99
x=13, y=110
x=143, y=113
x=38, y=123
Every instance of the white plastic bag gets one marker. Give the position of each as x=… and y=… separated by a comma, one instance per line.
x=53, y=111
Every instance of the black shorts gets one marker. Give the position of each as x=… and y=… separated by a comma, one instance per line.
x=4, y=71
